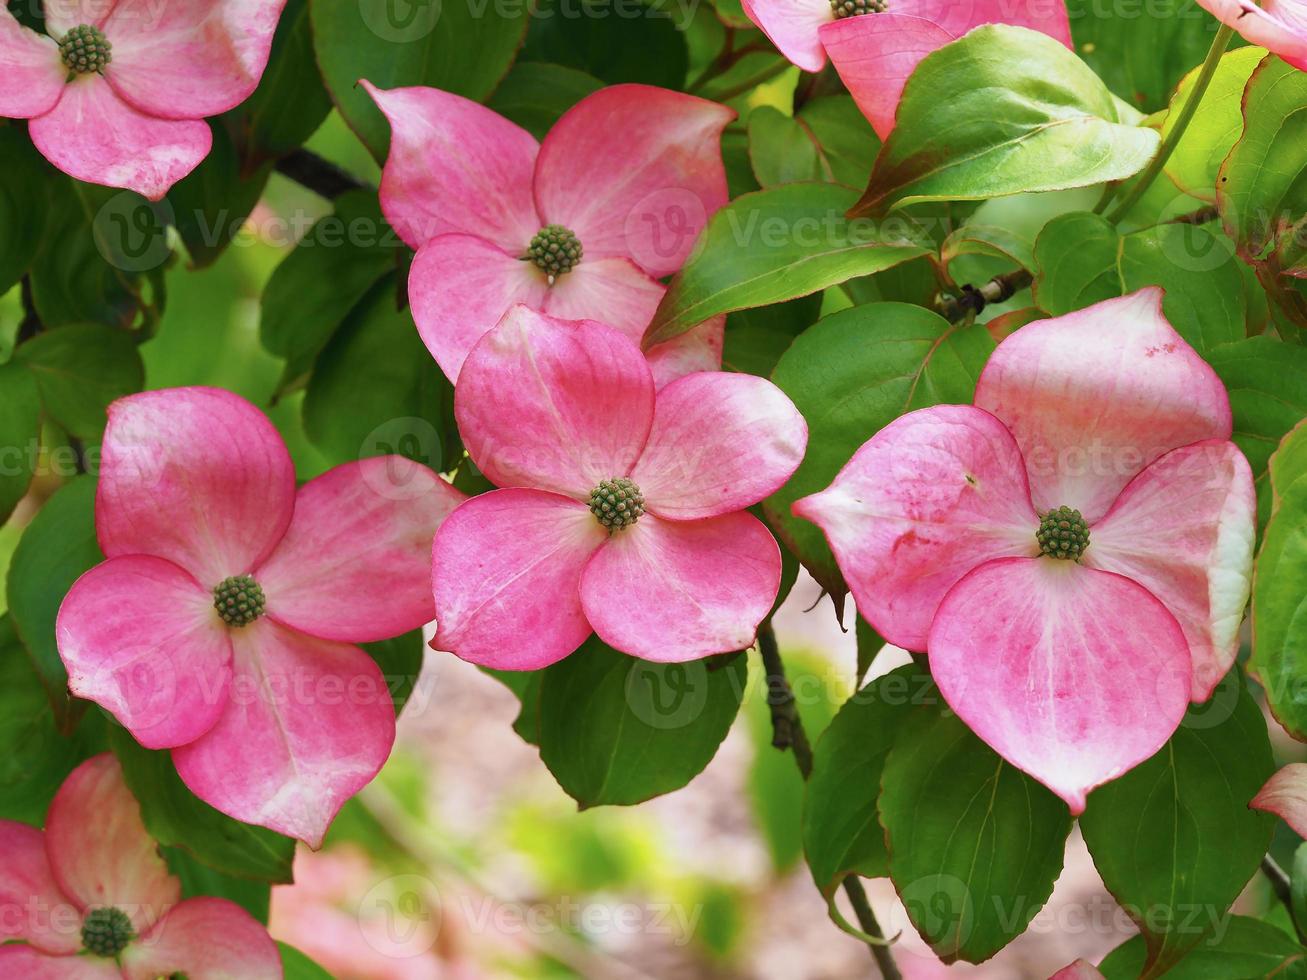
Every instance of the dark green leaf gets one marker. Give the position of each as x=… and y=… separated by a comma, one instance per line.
x=1174, y=838
x=870, y=643
x=626, y=42
x=79, y=369
x=212, y=202
x=197, y=879
x=297, y=966
x=756, y=338
x=20, y=423
x=1239, y=947
x=525, y=685
x=24, y=204
x=400, y=660
x=1075, y=258
x=535, y=95
x=618, y=730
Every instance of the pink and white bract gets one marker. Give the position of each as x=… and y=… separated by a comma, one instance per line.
x=1072, y=670
x=1280, y=26
x=95, y=856
x=555, y=412
x=632, y=172
x=273, y=714
x=875, y=53
x=132, y=115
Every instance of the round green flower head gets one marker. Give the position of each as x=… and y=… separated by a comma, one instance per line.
x=85, y=49
x=617, y=503
x=239, y=600
x=107, y=931
x=1063, y=533
x=555, y=250
x=852, y=8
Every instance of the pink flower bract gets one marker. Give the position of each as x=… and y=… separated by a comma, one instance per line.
x=1072, y=670
x=1280, y=26
x=95, y=854
x=278, y=721
x=550, y=410
x=632, y=171
x=875, y=53
x=1285, y=795
x=138, y=122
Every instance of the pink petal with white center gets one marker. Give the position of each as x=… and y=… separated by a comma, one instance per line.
x=460, y=286
x=141, y=638
x=720, y=443
x=355, y=564
x=698, y=349
x=34, y=73
x=554, y=404
x=1079, y=970
x=924, y=501
x=1184, y=529
x=455, y=166
x=198, y=476
x=309, y=723
x=188, y=59
x=61, y=16
x=792, y=26
x=95, y=136
x=875, y=54
x=1071, y=674
x=99, y=849
x=1285, y=795
x=1278, y=25
x=671, y=591
x=506, y=572
x=32, y=907
x=1095, y=396
x=205, y=939
x=31, y=964
x=635, y=171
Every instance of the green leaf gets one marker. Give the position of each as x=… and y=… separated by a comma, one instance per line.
x=1267, y=381
x=772, y=246
x=55, y=549
x=869, y=643
x=1298, y=885
x=535, y=95
x=1174, y=838
x=197, y=879
x=1240, y=947
x=461, y=48
x=618, y=730
x=375, y=390
x=315, y=287
x=296, y=966
x=975, y=844
x=24, y=204
x=635, y=42
x=844, y=138
x=841, y=832
x=400, y=659
x=1076, y=257
x=781, y=150
x=756, y=339
x=211, y=204
x=176, y=817
x=525, y=685
x=20, y=425
x=1207, y=140
x=851, y=375
x=1141, y=54
x=1001, y=111
x=79, y=369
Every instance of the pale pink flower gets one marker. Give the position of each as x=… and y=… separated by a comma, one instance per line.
x=92, y=899
x=877, y=44
x=1285, y=795
x=1075, y=666
x=222, y=626
x=1280, y=26
x=630, y=175
x=564, y=416
x=118, y=93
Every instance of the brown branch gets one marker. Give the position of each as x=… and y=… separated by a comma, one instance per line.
x=974, y=299
x=319, y=175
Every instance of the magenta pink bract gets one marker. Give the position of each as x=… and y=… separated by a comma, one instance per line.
x=875, y=53
x=1280, y=26
x=276, y=722
x=1072, y=670
x=138, y=123
x=95, y=853
x=633, y=171
x=550, y=409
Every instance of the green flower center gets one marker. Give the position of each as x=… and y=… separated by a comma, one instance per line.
x=1063, y=533
x=616, y=503
x=555, y=250
x=85, y=49
x=239, y=600
x=852, y=8
x=107, y=931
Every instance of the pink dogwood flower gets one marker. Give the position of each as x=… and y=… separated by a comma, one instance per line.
x=118, y=92
x=1073, y=552
x=622, y=510
x=1285, y=795
x=876, y=44
x=1280, y=26
x=223, y=624
x=92, y=899
x=580, y=226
